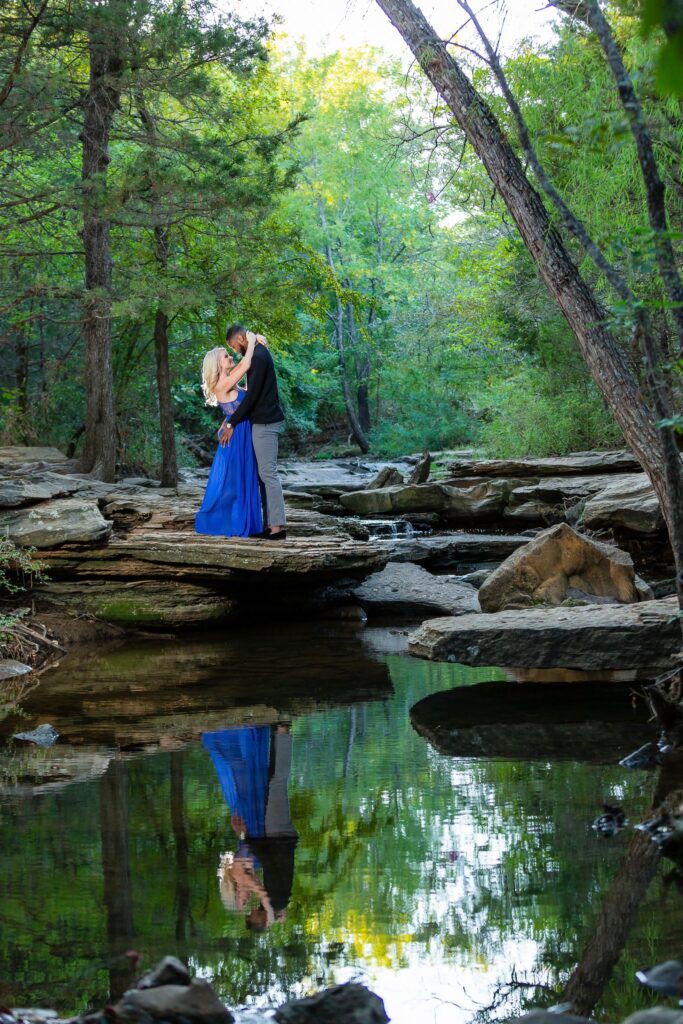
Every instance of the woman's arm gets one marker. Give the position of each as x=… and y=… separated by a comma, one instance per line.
x=244, y=364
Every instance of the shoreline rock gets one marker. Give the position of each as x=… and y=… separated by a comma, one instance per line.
x=593, y=637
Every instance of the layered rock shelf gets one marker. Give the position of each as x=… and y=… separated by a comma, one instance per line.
x=593, y=637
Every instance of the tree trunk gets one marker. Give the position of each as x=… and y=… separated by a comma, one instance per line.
x=169, y=463
x=182, y=893
x=117, y=889
x=586, y=317
x=99, y=107
x=21, y=353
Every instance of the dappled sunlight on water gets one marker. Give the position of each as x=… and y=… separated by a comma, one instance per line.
x=458, y=888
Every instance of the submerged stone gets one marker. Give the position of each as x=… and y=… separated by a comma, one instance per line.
x=196, y=1003
x=44, y=736
x=350, y=1004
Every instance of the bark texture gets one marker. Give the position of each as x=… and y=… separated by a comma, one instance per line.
x=586, y=317
x=99, y=108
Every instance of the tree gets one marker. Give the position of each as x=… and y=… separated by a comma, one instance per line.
x=653, y=445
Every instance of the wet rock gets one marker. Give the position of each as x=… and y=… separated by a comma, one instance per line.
x=62, y=521
x=666, y=978
x=558, y=564
x=406, y=589
x=584, y=721
x=169, y=971
x=550, y=1017
x=350, y=1004
x=591, y=638
x=10, y=669
x=196, y=1003
x=645, y=758
x=420, y=474
x=388, y=476
x=629, y=502
x=34, y=1014
x=578, y=463
x=610, y=822
x=44, y=736
x=656, y=1015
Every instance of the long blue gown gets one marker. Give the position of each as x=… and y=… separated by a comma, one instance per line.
x=232, y=501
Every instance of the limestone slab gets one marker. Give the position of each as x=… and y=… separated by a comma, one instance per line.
x=408, y=590
x=589, y=638
x=52, y=523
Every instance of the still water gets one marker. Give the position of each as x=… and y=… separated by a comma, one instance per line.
x=459, y=888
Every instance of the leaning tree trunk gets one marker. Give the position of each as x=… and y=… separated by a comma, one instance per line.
x=99, y=106
x=584, y=314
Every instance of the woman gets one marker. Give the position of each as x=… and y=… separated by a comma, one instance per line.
x=232, y=502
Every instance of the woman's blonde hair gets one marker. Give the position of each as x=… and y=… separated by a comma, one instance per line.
x=211, y=371
x=226, y=883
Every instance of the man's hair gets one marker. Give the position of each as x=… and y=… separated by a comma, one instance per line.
x=234, y=330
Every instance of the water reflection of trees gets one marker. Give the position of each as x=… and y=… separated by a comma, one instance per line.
x=404, y=856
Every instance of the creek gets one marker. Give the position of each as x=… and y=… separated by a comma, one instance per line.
x=460, y=889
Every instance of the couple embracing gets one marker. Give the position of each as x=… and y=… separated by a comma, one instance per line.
x=243, y=496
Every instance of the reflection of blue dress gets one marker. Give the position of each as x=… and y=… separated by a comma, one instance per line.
x=240, y=757
x=232, y=502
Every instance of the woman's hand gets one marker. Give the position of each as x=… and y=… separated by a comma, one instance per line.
x=261, y=340
x=251, y=342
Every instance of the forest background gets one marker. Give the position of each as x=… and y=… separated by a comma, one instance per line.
x=330, y=203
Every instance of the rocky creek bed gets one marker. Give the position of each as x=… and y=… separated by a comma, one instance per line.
x=126, y=554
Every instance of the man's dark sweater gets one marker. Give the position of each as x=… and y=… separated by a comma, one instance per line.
x=262, y=401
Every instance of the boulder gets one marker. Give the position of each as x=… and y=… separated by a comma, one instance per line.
x=388, y=476
x=594, y=722
x=169, y=971
x=629, y=502
x=561, y=465
x=483, y=500
x=558, y=564
x=592, y=638
x=196, y=1003
x=406, y=589
x=52, y=523
x=414, y=498
x=351, y=1003
x=420, y=474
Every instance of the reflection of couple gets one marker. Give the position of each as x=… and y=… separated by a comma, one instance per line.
x=246, y=460
x=253, y=765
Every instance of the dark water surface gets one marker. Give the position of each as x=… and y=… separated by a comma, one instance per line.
x=458, y=888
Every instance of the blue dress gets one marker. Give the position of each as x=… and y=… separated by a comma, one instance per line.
x=240, y=757
x=232, y=500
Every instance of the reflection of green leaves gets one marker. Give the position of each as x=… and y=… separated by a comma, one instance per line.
x=667, y=15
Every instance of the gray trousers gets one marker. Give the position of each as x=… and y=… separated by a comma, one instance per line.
x=265, y=437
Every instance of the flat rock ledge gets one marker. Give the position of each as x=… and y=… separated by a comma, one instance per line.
x=408, y=590
x=593, y=637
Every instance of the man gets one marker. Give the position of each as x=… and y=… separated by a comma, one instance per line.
x=262, y=406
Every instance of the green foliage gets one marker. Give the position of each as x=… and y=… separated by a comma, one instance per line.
x=19, y=569
x=535, y=413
